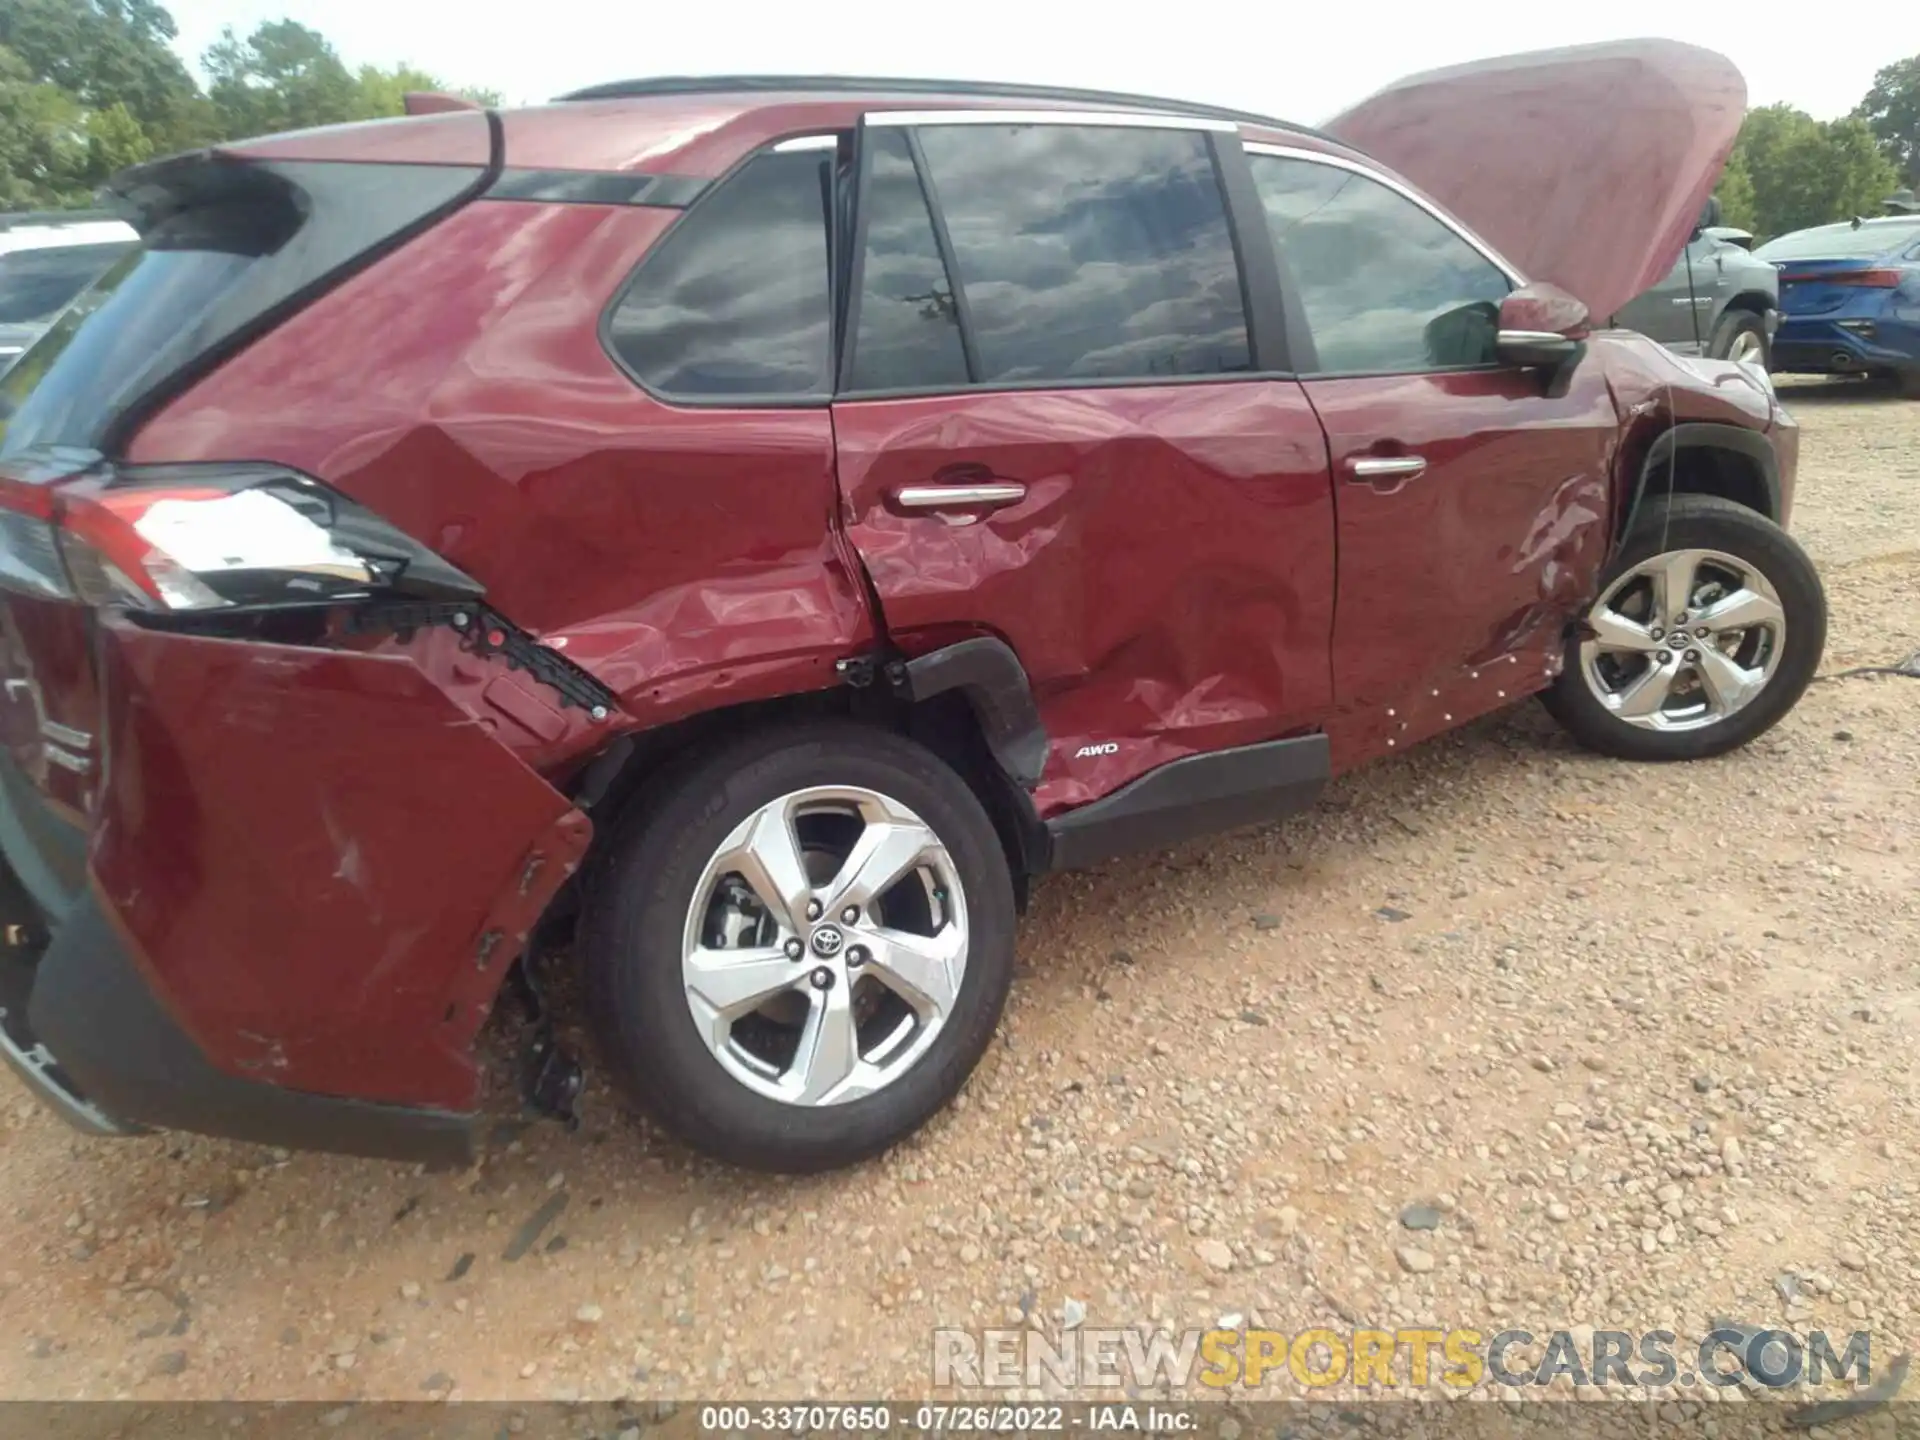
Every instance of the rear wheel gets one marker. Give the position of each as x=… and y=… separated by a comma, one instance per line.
x=1909, y=383
x=800, y=950
x=1740, y=335
x=1708, y=628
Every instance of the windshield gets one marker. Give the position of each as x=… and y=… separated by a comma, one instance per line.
x=36, y=285
x=1841, y=242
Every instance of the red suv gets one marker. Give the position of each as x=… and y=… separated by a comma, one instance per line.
x=754, y=526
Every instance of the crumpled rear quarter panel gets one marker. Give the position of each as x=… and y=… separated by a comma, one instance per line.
x=307, y=849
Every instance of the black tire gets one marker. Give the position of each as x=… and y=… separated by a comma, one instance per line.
x=1909, y=383
x=1733, y=324
x=1704, y=522
x=637, y=908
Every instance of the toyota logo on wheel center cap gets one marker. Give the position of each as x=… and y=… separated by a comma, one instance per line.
x=827, y=942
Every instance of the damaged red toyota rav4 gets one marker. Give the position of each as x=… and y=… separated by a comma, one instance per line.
x=754, y=526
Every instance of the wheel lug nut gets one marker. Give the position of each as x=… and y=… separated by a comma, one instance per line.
x=1657, y=632
x=795, y=949
x=822, y=978
x=1665, y=657
x=856, y=957
x=813, y=909
x=1681, y=618
x=849, y=915
x=1693, y=657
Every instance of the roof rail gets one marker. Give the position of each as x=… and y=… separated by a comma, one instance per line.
x=859, y=84
x=20, y=219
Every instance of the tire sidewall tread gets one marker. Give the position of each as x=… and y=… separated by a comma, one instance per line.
x=636, y=910
x=1704, y=522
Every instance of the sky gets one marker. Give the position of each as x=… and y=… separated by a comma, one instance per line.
x=1301, y=62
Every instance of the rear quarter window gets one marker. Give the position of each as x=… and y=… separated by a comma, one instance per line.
x=735, y=302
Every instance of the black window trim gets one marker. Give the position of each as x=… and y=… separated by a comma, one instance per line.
x=1258, y=149
x=1274, y=332
x=797, y=141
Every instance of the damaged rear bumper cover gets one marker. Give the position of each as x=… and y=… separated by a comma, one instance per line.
x=288, y=917
x=86, y=1034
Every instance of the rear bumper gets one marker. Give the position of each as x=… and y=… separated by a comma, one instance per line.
x=1818, y=346
x=84, y=1031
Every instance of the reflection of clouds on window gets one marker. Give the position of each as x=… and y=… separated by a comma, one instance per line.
x=1090, y=252
x=909, y=325
x=735, y=300
x=1385, y=286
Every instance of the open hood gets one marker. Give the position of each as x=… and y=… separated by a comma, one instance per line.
x=1586, y=166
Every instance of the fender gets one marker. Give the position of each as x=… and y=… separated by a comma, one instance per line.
x=1703, y=435
x=994, y=682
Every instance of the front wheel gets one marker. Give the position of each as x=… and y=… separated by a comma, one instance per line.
x=800, y=949
x=1709, y=626
x=1740, y=335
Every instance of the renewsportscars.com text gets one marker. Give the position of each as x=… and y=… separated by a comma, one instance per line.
x=1093, y=1359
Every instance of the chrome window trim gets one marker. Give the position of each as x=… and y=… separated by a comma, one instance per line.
x=1340, y=162
x=807, y=142
x=1115, y=119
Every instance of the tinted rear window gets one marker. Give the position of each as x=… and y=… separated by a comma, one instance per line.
x=36, y=285
x=226, y=246
x=1841, y=242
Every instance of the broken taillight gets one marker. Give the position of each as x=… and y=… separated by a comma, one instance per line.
x=184, y=538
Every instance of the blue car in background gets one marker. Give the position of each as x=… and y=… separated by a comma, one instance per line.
x=1850, y=299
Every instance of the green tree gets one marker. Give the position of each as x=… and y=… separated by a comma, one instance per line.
x=43, y=141
x=1808, y=172
x=384, y=92
x=1892, y=111
x=281, y=77
x=1735, y=192
x=103, y=53
x=285, y=76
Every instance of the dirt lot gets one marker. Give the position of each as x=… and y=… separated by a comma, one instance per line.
x=1645, y=1038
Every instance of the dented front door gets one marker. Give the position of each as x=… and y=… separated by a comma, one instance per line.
x=1473, y=522
x=1084, y=467
x=1471, y=496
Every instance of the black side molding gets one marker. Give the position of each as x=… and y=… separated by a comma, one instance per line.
x=1200, y=795
x=598, y=187
x=992, y=678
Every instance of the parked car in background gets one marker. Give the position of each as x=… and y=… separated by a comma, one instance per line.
x=1850, y=297
x=46, y=260
x=768, y=521
x=1717, y=300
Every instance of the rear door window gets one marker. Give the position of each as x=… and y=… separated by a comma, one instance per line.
x=1087, y=252
x=735, y=303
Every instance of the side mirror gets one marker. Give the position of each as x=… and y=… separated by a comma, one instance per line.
x=1709, y=216
x=1541, y=325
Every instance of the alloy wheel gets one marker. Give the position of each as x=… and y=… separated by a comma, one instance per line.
x=1683, y=640
x=825, y=945
x=1748, y=348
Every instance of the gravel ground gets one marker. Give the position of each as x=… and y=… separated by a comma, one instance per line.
x=1643, y=1037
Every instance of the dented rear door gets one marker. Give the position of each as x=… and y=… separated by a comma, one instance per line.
x=1068, y=447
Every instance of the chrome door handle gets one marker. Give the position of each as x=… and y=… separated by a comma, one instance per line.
x=1387, y=467
x=959, y=497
